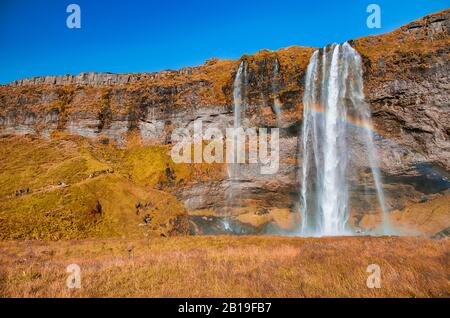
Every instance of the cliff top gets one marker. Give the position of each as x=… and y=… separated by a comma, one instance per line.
x=431, y=23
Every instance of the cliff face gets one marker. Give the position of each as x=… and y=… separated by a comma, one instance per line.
x=406, y=76
x=406, y=84
x=110, y=105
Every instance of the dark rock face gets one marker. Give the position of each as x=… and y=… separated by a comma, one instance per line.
x=407, y=87
x=406, y=82
x=442, y=234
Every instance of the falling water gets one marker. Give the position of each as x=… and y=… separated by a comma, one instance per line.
x=276, y=99
x=239, y=93
x=333, y=95
x=239, y=107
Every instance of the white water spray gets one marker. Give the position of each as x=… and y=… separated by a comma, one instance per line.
x=239, y=107
x=239, y=93
x=332, y=95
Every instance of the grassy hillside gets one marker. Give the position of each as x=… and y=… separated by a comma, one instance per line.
x=70, y=187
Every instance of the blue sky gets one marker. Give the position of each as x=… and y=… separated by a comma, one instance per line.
x=151, y=35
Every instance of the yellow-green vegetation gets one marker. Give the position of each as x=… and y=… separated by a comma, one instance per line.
x=226, y=266
x=71, y=187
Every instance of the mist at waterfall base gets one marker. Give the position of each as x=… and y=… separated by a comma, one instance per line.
x=334, y=95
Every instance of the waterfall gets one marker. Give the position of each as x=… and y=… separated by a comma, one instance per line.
x=333, y=106
x=239, y=108
x=239, y=93
x=276, y=99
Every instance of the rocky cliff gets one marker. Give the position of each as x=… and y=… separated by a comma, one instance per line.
x=406, y=84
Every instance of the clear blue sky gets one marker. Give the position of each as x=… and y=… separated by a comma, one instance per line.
x=141, y=36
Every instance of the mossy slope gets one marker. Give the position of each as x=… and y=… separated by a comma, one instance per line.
x=74, y=188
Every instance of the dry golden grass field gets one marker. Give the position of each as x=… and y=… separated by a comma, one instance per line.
x=227, y=266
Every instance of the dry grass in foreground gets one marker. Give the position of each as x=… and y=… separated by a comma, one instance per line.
x=225, y=266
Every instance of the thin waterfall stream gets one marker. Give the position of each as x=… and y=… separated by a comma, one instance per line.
x=276, y=100
x=239, y=106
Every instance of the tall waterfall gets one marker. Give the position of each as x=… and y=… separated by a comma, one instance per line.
x=333, y=105
x=239, y=107
x=239, y=93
